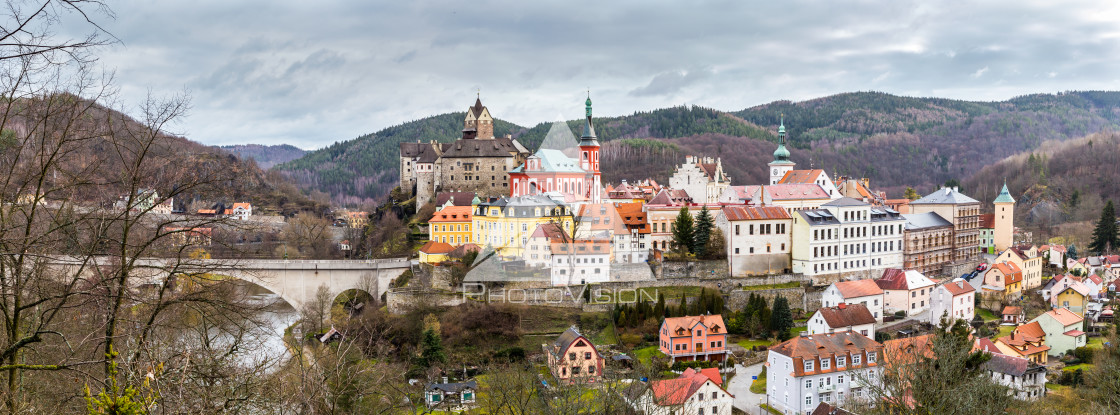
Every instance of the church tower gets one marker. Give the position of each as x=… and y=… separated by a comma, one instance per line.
x=781, y=163
x=1004, y=232
x=589, y=157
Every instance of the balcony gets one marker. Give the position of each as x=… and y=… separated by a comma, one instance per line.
x=826, y=388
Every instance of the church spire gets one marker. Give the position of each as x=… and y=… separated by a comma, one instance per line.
x=588, y=138
x=781, y=154
x=1004, y=195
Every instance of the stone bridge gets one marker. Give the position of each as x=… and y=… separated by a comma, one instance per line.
x=295, y=281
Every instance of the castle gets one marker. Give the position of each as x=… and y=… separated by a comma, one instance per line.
x=476, y=162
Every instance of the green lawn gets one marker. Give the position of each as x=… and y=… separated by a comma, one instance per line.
x=645, y=354
x=749, y=344
x=1095, y=343
x=796, y=331
x=771, y=410
x=1055, y=387
x=1083, y=367
x=759, y=385
x=793, y=284
x=606, y=336
x=987, y=315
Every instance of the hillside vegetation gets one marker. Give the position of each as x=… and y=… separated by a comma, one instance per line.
x=266, y=156
x=895, y=141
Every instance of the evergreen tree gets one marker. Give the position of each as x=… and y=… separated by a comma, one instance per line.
x=911, y=194
x=1104, y=236
x=682, y=308
x=1071, y=251
x=431, y=350
x=781, y=318
x=682, y=231
x=659, y=309
x=702, y=232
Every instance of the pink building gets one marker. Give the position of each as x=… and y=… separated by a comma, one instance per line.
x=694, y=338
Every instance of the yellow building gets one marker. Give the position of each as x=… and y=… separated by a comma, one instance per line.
x=1072, y=298
x=357, y=220
x=506, y=224
x=1029, y=260
x=435, y=252
x=452, y=225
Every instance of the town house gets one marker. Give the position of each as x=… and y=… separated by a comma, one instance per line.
x=1063, y=330
x=843, y=317
x=694, y=338
x=572, y=358
x=693, y=392
x=906, y=291
x=953, y=300
x=809, y=369
x=863, y=292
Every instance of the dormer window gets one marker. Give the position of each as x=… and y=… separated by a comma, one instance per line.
x=824, y=364
x=808, y=365
x=870, y=357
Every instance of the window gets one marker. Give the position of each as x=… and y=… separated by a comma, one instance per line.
x=841, y=361
x=591, y=369
x=870, y=357
x=839, y=379
x=808, y=400
x=808, y=365
x=824, y=364
x=808, y=384
x=855, y=359
x=587, y=355
x=575, y=370
x=572, y=356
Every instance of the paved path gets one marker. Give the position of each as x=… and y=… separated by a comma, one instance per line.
x=740, y=386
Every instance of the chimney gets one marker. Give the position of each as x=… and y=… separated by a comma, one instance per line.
x=956, y=189
x=804, y=334
x=842, y=306
x=445, y=379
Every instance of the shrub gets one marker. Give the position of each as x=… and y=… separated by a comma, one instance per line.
x=882, y=336
x=695, y=364
x=1083, y=354
x=900, y=313
x=630, y=339
x=512, y=354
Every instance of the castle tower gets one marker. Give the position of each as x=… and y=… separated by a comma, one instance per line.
x=478, y=123
x=1003, y=235
x=781, y=163
x=589, y=157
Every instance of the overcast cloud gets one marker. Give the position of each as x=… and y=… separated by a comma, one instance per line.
x=312, y=73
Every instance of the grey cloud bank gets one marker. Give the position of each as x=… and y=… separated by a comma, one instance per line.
x=312, y=74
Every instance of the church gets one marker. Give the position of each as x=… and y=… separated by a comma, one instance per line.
x=550, y=170
x=476, y=162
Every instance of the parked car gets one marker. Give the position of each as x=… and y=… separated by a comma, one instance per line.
x=982, y=266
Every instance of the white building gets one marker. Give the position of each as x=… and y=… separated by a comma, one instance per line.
x=952, y=300
x=757, y=239
x=791, y=197
x=863, y=292
x=844, y=317
x=538, y=250
x=694, y=392
x=581, y=262
x=847, y=237
x=702, y=178
x=832, y=368
x=1026, y=379
x=240, y=211
x=907, y=291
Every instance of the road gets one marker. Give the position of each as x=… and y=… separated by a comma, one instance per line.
x=740, y=386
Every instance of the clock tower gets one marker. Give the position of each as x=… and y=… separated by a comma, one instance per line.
x=781, y=163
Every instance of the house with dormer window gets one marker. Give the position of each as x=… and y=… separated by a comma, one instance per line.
x=453, y=396
x=694, y=338
x=832, y=368
x=573, y=358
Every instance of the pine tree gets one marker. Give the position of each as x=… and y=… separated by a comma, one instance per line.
x=911, y=194
x=682, y=231
x=781, y=318
x=431, y=350
x=1104, y=236
x=659, y=309
x=701, y=233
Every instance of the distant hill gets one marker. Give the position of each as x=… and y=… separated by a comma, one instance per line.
x=895, y=141
x=1059, y=182
x=266, y=156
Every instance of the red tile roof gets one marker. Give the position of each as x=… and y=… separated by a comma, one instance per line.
x=897, y=279
x=453, y=214
x=672, y=392
x=988, y=221
x=1012, y=310
x=960, y=287
x=1011, y=271
x=1064, y=316
x=859, y=288
x=801, y=176
x=845, y=315
x=433, y=247
x=734, y=213
x=825, y=345
x=714, y=323
x=1074, y=333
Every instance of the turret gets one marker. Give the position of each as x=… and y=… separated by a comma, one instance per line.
x=589, y=155
x=781, y=164
x=1004, y=233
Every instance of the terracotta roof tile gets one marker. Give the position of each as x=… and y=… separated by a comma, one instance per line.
x=1064, y=316
x=859, y=288
x=734, y=213
x=433, y=247
x=845, y=315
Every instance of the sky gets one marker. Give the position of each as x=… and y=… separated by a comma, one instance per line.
x=313, y=73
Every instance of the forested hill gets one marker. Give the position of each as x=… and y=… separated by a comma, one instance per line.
x=266, y=156
x=895, y=141
x=1058, y=182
